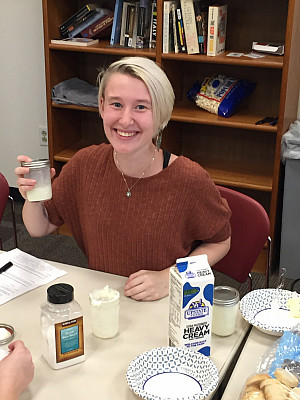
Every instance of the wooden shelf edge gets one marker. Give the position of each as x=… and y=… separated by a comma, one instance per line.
x=74, y=107
x=103, y=47
x=242, y=120
x=196, y=116
x=242, y=185
x=268, y=61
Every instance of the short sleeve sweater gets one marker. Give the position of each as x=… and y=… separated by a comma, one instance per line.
x=168, y=215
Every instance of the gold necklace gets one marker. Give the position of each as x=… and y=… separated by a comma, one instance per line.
x=128, y=193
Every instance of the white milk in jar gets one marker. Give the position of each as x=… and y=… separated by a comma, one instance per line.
x=105, y=306
x=40, y=171
x=225, y=310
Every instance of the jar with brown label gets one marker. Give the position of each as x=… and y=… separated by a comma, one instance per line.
x=62, y=327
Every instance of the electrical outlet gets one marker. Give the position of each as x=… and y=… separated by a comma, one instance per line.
x=43, y=136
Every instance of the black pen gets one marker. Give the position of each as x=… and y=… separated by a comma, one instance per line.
x=6, y=267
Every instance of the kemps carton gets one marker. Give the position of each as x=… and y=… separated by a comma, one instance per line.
x=191, y=302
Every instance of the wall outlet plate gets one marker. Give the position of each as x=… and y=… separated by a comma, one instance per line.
x=43, y=136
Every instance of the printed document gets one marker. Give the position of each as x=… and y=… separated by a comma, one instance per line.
x=26, y=273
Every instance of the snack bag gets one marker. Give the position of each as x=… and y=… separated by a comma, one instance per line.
x=220, y=94
x=278, y=371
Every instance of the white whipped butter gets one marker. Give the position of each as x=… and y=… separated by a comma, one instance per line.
x=191, y=303
x=105, y=305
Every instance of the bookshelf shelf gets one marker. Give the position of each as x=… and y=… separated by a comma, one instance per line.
x=242, y=119
x=235, y=151
x=103, y=47
x=268, y=61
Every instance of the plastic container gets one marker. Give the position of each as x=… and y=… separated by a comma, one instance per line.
x=40, y=171
x=62, y=327
x=225, y=309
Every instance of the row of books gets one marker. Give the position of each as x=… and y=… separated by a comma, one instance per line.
x=91, y=21
x=134, y=24
x=194, y=27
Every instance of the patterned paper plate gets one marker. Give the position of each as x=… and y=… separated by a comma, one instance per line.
x=266, y=309
x=172, y=373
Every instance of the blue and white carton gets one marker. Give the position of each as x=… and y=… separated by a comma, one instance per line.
x=191, y=304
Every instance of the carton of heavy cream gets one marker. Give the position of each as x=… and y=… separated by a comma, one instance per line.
x=191, y=303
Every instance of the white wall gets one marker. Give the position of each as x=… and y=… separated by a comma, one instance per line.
x=22, y=83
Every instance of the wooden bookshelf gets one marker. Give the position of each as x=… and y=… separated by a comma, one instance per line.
x=235, y=151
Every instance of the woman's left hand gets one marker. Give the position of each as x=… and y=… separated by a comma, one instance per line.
x=148, y=285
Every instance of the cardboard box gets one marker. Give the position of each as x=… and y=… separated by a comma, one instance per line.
x=191, y=303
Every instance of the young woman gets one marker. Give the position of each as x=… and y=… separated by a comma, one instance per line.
x=133, y=208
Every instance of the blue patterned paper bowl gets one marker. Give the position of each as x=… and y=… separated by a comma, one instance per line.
x=172, y=373
x=266, y=309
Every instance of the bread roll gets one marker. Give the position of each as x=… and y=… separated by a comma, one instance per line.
x=256, y=379
x=286, y=377
x=276, y=392
x=295, y=394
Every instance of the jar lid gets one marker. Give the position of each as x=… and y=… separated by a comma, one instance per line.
x=60, y=293
x=40, y=163
x=7, y=333
x=226, y=296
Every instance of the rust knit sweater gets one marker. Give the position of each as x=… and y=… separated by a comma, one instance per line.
x=166, y=217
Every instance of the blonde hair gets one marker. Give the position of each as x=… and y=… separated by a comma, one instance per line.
x=156, y=81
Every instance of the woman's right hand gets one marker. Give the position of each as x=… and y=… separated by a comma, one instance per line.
x=25, y=184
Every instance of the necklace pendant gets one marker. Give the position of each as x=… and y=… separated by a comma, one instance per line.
x=128, y=193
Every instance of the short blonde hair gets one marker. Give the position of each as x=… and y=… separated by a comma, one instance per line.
x=156, y=81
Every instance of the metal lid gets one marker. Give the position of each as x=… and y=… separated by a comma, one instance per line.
x=226, y=296
x=60, y=293
x=40, y=163
x=7, y=333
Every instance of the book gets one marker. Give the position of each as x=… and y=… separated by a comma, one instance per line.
x=181, y=43
x=189, y=23
x=171, y=33
x=129, y=25
x=100, y=12
x=153, y=26
x=75, y=41
x=217, y=20
x=175, y=31
x=116, y=26
x=135, y=25
x=144, y=22
x=76, y=19
x=124, y=21
x=99, y=29
x=201, y=15
x=166, y=26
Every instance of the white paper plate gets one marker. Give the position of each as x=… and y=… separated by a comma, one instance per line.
x=172, y=373
x=266, y=310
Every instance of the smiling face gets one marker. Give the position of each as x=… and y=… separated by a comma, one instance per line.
x=126, y=110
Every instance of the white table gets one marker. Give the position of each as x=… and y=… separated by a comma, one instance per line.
x=143, y=326
x=256, y=345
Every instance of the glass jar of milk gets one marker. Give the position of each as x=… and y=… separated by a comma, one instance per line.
x=39, y=170
x=225, y=310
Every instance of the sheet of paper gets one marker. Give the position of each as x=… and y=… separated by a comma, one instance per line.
x=27, y=273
